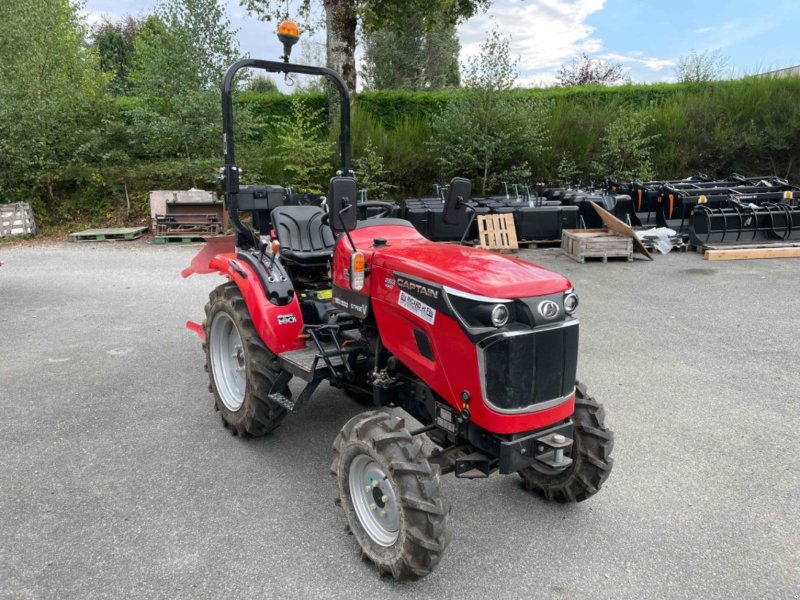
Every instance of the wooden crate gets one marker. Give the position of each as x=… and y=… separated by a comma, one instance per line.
x=16, y=219
x=497, y=232
x=580, y=244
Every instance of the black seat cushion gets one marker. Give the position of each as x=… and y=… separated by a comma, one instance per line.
x=304, y=238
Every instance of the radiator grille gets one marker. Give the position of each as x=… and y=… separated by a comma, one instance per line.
x=527, y=371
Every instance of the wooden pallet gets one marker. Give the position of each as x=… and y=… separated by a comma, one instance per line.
x=498, y=233
x=16, y=219
x=181, y=239
x=582, y=244
x=112, y=234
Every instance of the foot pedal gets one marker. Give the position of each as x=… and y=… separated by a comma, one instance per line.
x=473, y=466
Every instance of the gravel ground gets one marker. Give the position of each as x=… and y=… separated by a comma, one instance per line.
x=117, y=479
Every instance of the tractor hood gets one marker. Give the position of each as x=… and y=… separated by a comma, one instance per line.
x=469, y=269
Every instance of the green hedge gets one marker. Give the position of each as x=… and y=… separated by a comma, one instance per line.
x=749, y=126
x=388, y=106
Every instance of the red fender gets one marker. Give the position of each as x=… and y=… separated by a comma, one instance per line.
x=280, y=327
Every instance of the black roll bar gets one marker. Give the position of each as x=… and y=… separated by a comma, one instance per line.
x=283, y=67
x=230, y=173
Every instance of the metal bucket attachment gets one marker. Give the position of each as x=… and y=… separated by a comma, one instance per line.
x=740, y=222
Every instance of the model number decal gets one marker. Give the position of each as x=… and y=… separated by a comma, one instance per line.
x=286, y=319
x=417, y=307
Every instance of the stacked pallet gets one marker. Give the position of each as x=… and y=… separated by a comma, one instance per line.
x=16, y=219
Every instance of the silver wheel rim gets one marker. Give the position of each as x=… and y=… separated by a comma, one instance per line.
x=227, y=361
x=374, y=500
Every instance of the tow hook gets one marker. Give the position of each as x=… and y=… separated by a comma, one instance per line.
x=550, y=450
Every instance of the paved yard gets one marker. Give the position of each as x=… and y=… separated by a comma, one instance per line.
x=118, y=480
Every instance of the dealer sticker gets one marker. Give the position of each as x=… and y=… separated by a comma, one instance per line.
x=417, y=307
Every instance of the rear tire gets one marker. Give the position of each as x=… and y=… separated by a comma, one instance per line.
x=591, y=456
x=390, y=495
x=240, y=367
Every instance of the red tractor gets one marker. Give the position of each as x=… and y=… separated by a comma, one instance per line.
x=480, y=348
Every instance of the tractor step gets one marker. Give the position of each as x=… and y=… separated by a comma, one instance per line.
x=309, y=363
x=279, y=397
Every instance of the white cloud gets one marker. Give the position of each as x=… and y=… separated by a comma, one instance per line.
x=637, y=58
x=92, y=18
x=546, y=34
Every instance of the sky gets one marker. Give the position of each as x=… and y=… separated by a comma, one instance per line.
x=646, y=37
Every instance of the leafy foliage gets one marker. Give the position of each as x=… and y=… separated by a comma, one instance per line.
x=487, y=134
x=699, y=67
x=181, y=53
x=75, y=147
x=263, y=85
x=114, y=42
x=302, y=149
x=54, y=113
x=584, y=70
x=412, y=55
x=372, y=174
x=626, y=148
x=567, y=170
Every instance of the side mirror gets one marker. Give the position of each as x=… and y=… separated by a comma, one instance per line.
x=458, y=195
x=342, y=198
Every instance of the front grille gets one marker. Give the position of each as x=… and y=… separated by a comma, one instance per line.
x=522, y=370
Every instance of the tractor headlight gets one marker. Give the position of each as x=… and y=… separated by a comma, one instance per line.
x=570, y=302
x=479, y=312
x=499, y=315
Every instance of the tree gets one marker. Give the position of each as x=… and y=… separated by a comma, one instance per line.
x=114, y=42
x=372, y=174
x=412, y=55
x=584, y=70
x=263, y=85
x=566, y=171
x=302, y=149
x=627, y=147
x=181, y=54
x=487, y=133
x=342, y=18
x=698, y=67
x=53, y=101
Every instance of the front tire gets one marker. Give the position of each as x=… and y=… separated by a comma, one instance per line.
x=591, y=456
x=240, y=367
x=390, y=495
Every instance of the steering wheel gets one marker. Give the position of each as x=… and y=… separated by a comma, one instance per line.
x=387, y=207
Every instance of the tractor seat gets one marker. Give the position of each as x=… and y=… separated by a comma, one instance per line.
x=303, y=237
